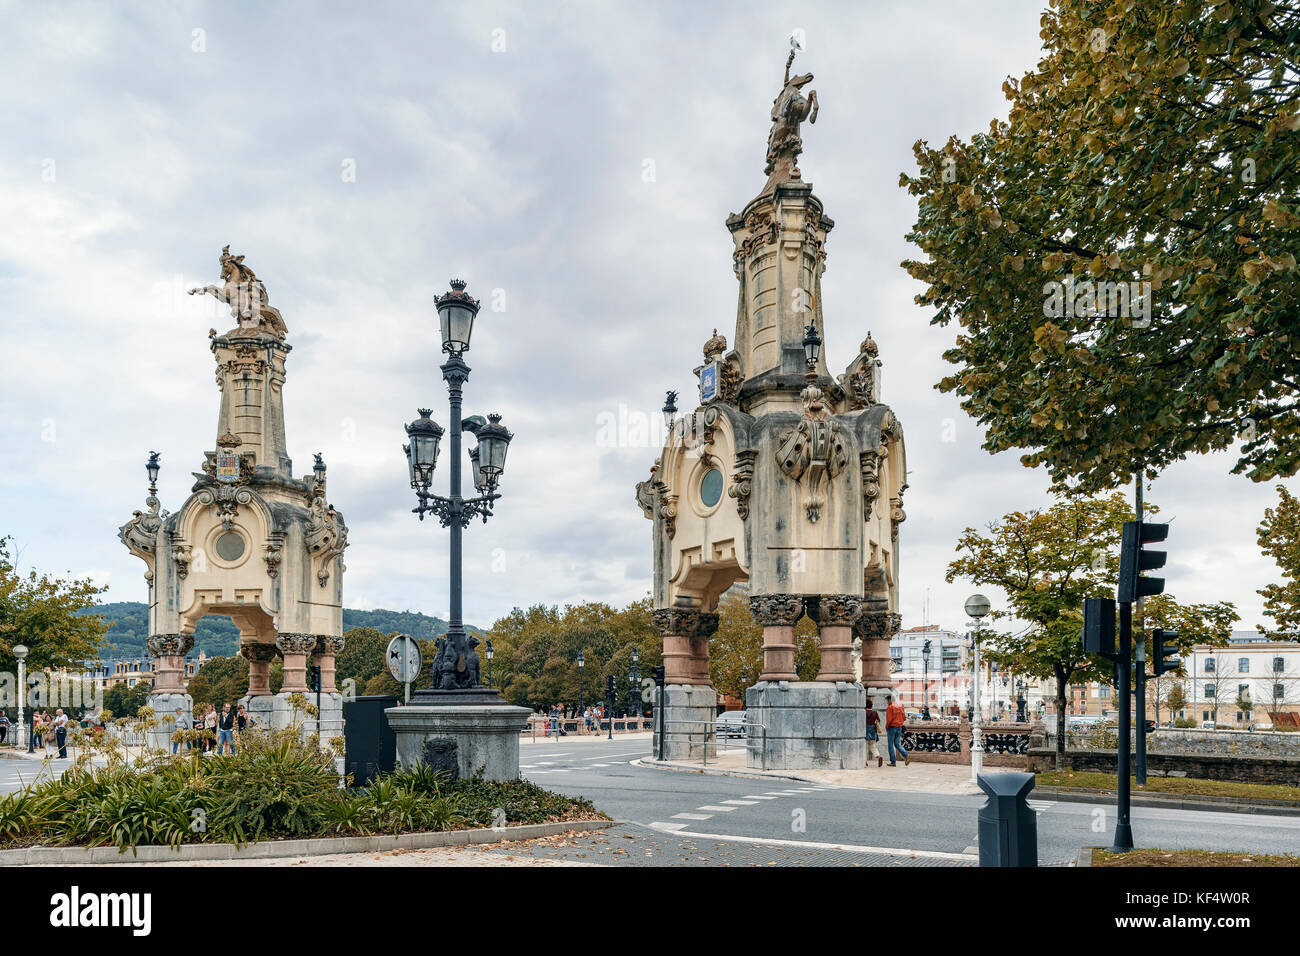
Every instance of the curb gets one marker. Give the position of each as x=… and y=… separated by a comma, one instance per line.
x=777, y=775
x=1190, y=802
x=269, y=849
x=1085, y=856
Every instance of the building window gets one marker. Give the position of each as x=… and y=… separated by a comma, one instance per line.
x=1103, y=691
x=1277, y=665
x=1209, y=690
x=1205, y=715
x=1277, y=692
x=1209, y=665
x=1243, y=665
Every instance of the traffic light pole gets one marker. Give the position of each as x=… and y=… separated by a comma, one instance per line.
x=1123, y=663
x=1141, y=756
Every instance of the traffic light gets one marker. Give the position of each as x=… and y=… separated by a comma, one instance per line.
x=1164, y=652
x=609, y=688
x=659, y=676
x=313, y=677
x=1134, y=559
x=1099, y=626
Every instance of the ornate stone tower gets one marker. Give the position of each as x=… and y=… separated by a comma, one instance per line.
x=784, y=478
x=251, y=542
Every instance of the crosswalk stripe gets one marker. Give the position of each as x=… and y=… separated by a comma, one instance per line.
x=673, y=827
x=717, y=809
x=692, y=816
x=758, y=796
x=742, y=803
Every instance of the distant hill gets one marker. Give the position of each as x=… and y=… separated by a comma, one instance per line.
x=218, y=636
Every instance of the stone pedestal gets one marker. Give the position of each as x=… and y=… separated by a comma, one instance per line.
x=689, y=712
x=809, y=726
x=485, y=728
x=164, y=710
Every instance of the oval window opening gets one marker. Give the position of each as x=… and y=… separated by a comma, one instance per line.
x=711, y=488
x=230, y=546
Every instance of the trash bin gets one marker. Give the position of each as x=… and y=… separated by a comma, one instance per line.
x=1008, y=827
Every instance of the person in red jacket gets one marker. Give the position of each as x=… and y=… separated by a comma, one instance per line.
x=895, y=718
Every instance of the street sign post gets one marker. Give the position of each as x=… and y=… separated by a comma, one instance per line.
x=403, y=659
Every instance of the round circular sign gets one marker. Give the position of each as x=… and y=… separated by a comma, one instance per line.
x=403, y=658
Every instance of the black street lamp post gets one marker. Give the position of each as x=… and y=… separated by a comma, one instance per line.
x=609, y=704
x=634, y=682
x=490, y=653
x=456, y=665
x=925, y=681
x=582, y=661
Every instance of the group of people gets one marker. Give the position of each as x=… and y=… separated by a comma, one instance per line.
x=895, y=720
x=48, y=730
x=221, y=728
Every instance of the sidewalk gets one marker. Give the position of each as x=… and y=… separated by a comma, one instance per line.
x=586, y=738
x=917, y=778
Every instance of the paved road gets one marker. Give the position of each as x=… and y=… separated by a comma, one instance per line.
x=716, y=819
x=811, y=816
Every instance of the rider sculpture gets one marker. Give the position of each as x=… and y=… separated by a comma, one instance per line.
x=789, y=109
x=245, y=293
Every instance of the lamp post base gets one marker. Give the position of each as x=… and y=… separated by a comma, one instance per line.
x=486, y=735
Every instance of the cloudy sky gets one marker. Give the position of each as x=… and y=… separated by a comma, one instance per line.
x=575, y=163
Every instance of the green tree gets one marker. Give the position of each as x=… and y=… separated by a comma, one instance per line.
x=47, y=615
x=123, y=701
x=736, y=650
x=1120, y=253
x=363, y=656
x=1279, y=538
x=220, y=680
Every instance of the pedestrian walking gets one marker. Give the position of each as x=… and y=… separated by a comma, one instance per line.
x=895, y=719
x=182, y=723
x=873, y=735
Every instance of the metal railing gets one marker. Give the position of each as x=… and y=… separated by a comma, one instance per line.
x=710, y=733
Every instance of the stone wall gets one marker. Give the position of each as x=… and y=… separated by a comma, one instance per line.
x=1245, y=769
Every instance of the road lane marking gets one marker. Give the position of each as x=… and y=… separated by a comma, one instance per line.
x=758, y=796
x=848, y=847
x=670, y=827
x=717, y=809
x=742, y=803
x=692, y=816
x=599, y=765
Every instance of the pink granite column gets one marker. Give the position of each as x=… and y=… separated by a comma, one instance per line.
x=295, y=648
x=168, y=651
x=259, y=657
x=778, y=613
x=328, y=647
x=836, y=614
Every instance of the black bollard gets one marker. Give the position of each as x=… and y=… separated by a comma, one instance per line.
x=1008, y=828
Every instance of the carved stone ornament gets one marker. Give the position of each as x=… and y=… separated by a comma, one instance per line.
x=776, y=610
x=169, y=645
x=331, y=644
x=326, y=536
x=668, y=508
x=140, y=534
x=647, y=491
x=763, y=231
x=729, y=381
x=715, y=346
x=870, y=462
x=259, y=653
x=272, y=559
x=814, y=447
x=225, y=500
x=181, y=558
x=896, y=513
x=839, y=609
x=877, y=625
x=295, y=643
x=742, y=482
x=684, y=621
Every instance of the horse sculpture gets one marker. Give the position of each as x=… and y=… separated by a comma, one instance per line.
x=789, y=110
x=245, y=293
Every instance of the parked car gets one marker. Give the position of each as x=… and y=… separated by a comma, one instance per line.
x=731, y=724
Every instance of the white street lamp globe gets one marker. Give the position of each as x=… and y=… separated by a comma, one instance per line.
x=20, y=652
x=977, y=605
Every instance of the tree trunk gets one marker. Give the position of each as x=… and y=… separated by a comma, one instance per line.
x=1060, y=722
